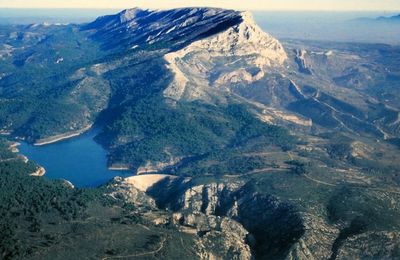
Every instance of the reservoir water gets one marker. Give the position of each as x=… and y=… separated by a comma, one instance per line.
x=79, y=160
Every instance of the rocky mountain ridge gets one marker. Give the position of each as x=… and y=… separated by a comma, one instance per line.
x=198, y=68
x=136, y=28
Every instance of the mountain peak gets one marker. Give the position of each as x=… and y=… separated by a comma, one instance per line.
x=395, y=18
x=247, y=17
x=130, y=14
x=137, y=27
x=243, y=53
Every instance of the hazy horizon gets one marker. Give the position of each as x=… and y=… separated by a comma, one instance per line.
x=264, y=5
x=311, y=25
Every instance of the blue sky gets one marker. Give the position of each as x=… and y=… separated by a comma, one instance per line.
x=339, y=5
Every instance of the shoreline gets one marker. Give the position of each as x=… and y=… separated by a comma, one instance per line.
x=41, y=171
x=60, y=137
x=14, y=147
x=119, y=168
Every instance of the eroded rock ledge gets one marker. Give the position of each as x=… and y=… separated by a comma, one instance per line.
x=230, y=219
x=234, y=221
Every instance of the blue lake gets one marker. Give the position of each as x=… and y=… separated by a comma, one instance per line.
x=79, y=160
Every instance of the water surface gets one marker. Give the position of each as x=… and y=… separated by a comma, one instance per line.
x=79, y=160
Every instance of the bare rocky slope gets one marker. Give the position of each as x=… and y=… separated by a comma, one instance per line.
x=249, y=224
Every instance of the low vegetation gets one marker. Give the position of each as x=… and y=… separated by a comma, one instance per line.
x=153, y=130
x=40, y=218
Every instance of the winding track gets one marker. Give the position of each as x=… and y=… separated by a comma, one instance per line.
x=335, y=185
x=138, y=255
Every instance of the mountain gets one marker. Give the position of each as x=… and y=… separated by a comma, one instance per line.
x=135, y=27
x=245, y=146
x=395, y=18
x=389, y=19
x=206, y=65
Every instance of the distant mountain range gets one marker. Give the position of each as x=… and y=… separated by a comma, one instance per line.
x=391, y=19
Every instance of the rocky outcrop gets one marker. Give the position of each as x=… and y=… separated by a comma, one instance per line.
x=241, y=54
x=122, y=190
x=304, y=66
x=154, y=167
x=272, y=227
x=233, y=221
x=68, y=184
x=220, y=237
x=371, y=245
x=40, y=171
x=208, y=199
x=134, y=28
x=317, y=240
x=13, y=147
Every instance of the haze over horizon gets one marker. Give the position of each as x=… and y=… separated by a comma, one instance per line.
x=295, y=5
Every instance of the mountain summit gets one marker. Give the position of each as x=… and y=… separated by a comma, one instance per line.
x=208, y=49
x=395, y=18
x=135, y=27
x=242, y=54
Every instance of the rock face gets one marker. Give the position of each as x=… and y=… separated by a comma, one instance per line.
x=221, y=237
x=241, y=54
x=40, y=171
x=270, y=227
x=371, y=245
x=207, y=199
x=135, y=28
x=218, y=237
x=233, y=221
x=208, y=51
x=301, y=61
x=154, y=167
x=121, y=189
x=317, y=240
